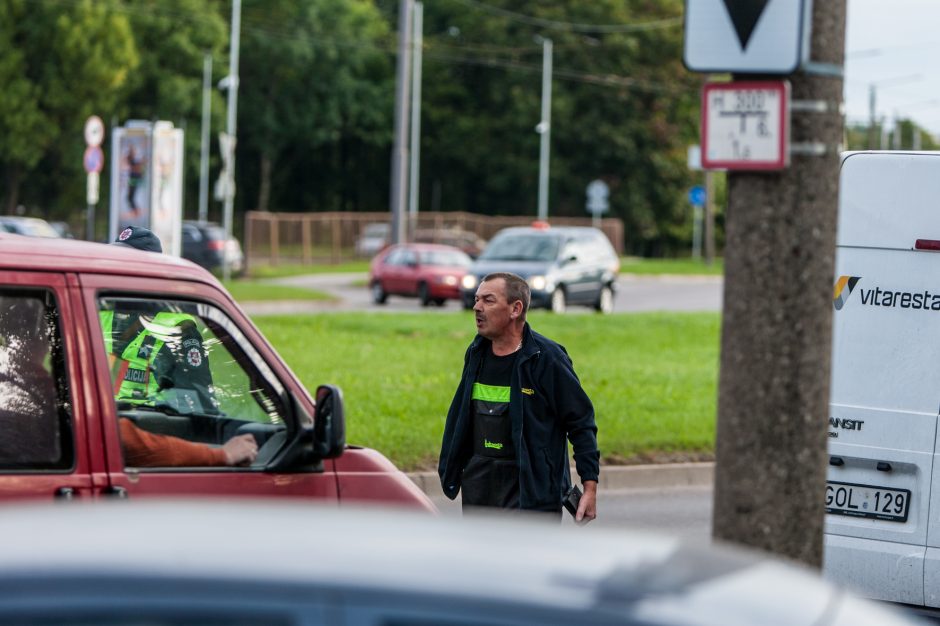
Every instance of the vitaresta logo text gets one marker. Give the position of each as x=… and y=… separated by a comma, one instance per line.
x=879, y=296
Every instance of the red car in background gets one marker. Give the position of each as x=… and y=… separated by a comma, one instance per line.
x=430, y=272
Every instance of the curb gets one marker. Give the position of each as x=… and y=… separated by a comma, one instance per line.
x=657, y=476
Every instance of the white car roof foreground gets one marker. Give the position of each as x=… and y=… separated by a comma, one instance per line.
x=604, y=575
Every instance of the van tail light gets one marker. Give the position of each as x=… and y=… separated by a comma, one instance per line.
x=216, y=244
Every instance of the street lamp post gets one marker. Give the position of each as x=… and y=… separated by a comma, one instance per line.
x=414, y=177
x=544, y=127
x=230, y=131
x=399, y=183
x=204, y=140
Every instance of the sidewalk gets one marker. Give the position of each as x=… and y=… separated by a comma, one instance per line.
x=614, y=477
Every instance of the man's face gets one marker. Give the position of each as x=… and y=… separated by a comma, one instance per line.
x=493, y=312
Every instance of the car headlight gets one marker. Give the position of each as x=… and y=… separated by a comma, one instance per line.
x=469, y=282
x=448, y=280
x=537, y=283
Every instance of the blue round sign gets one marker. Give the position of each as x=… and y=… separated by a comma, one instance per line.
x=697, y=195
x=93, y=159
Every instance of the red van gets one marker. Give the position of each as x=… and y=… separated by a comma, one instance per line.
x=75, y=319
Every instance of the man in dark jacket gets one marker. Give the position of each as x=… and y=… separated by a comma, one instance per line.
x=517, y=403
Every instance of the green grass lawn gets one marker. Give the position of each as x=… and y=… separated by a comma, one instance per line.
x=297, y=269
x=628, y=265
x=652, y=377
x=249, y=290
x=637, y=265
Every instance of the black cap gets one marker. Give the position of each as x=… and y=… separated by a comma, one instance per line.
x=140, y=238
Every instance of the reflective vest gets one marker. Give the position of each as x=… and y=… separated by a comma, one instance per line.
x=132, y=372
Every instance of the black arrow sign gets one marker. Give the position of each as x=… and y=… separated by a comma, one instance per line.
x=745, y=15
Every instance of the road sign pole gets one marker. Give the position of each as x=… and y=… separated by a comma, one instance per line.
x=709, y=230
x=93, y=161
x=90, y=223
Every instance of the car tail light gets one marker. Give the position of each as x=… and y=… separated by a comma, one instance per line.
x=216, y=244
x=540, y=225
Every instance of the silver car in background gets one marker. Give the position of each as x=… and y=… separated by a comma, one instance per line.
x=29, y=226
x=563, y=266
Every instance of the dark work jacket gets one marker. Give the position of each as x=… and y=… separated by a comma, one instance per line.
x=546, y=405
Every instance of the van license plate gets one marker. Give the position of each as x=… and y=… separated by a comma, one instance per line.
x=856, y=500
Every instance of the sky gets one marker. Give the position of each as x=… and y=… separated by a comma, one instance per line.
x=895, y=46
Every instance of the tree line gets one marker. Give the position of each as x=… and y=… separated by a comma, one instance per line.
x=316, y=103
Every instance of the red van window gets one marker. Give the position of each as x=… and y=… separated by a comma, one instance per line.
x=180, y=372
x=35, y=416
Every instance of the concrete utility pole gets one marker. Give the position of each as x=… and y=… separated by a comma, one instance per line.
x=773, y=398
x=399, y=186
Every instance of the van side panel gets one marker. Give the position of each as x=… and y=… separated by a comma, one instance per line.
x=899, y=568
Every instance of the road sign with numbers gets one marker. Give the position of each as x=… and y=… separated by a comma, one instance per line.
x=746, y=125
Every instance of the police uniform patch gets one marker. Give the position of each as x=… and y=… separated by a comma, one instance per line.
x=194, y=357
x=125, y=234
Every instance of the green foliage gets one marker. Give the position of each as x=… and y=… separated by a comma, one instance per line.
x=61, y=62
x=316, y=101
x=174, y=36
x=623, y=110
x=652, y=378
x=315, y=80
x=863, y=137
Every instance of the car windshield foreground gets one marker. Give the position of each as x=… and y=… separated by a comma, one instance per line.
x=197, y=562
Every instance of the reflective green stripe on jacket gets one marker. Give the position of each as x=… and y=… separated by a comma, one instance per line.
x=136, y=361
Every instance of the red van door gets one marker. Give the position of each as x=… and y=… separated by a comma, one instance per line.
x=43, y=416
x=181, y=376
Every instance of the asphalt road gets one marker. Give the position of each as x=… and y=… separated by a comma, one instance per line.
x=633, y=294
x=684, y=511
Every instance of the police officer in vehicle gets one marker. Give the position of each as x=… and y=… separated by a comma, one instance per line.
x=160, y=359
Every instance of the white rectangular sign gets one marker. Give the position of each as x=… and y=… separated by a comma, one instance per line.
x=746, y=125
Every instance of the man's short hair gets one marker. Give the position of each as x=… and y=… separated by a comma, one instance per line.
x=516, y=288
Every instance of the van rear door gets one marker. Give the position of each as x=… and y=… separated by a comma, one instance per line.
x=885, y=377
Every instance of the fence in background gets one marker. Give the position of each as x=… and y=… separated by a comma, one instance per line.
x=308, y=238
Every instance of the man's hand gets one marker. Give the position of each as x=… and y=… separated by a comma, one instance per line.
x=240, y=450
x=587, y=508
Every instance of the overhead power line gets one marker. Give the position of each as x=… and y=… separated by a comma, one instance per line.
x=668, y=22
x=605, y=80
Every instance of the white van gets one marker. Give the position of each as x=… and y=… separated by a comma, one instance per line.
x=883, y=492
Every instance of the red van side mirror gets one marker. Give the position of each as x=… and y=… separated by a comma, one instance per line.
x=329, y=423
